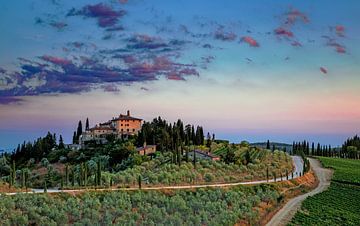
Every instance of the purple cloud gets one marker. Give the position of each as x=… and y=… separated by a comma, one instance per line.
x=105, y=15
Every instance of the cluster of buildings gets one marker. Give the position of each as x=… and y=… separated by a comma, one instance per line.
x=124, y=126
x=120, y=127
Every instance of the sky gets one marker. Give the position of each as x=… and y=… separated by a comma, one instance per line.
x=244, y=70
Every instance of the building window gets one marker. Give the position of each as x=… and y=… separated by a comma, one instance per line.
x=121, y=124
x=122, y=130
x=133, y=130
x=128, y=130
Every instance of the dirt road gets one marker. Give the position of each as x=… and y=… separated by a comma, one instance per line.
x=293, y=205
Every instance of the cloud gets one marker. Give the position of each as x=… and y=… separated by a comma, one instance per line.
x=283, y=32
x=294, y=15
x=290, y=18
x=332, y=42
x=145, y=42
x=176, y=77
x=222, y=35
x=296, y=44
x=58, y=25
x=110, y=88
x=105, y=15
x=340, y=30
x=252, y=42
x=56, y=60
x=323, y=70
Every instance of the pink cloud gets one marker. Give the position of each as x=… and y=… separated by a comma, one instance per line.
x=252, y=42
x=56, y=60
x=174, y=76
x=283, y=32
x=340, y=30
x=293, y=15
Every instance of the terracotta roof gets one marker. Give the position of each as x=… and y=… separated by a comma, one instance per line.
x=125, y=117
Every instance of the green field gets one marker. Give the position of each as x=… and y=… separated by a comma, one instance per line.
x=340, y=204
x=346, y=170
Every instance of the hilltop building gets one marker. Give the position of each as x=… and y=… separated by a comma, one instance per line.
x=121, y=126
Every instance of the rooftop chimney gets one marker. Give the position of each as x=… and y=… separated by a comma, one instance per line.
x=128, y=113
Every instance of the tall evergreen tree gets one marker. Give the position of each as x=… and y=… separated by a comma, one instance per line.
x=74, y=139
x=79, y=130
x=312, y=148
x=268, y=145
x=87, y=127
x=61, y=143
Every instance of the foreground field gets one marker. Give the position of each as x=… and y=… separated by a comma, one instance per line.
x=340, y=204
x=190, y=207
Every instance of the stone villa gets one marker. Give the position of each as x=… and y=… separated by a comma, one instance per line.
x=121, y=126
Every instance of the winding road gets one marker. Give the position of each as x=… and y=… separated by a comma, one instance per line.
x=297, y=161
x=285, y=214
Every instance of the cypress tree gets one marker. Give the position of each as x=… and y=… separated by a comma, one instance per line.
x=267, y=174
x=45, y=187
x=87, y=127
x=139, y=181
x=61, y=143
x=312, y=148
x=74, y=139
x=79, y=131
x=268, y=145
x=73, y=177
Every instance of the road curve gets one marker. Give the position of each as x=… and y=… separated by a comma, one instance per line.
x=284, y=215
x=297, y=161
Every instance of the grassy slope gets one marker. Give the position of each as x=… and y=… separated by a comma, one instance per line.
x=340, y=204
x=346, y=170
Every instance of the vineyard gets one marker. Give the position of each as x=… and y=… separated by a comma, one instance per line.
x=340, y=204
x=346, y=170
x=195, y=207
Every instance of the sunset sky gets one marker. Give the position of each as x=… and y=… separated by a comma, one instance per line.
x=244, y=70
